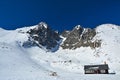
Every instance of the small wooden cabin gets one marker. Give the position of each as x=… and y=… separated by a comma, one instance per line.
x=96, y=69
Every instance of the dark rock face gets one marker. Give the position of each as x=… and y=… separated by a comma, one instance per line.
x=80, y=37
x=65, y=33
x=42, y=35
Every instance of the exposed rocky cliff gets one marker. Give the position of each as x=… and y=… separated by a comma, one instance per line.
x=42, y=35
x=80, y=37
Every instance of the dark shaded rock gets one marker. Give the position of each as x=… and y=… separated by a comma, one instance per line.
x=73, y=36
x=65, y=33
x=29, y=44
x=43, y=35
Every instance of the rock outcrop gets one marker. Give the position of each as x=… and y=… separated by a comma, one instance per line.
x=80, y=37
x=42, y=35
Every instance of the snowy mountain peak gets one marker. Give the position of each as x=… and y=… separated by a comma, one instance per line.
x=43, y=37
x=43, y=24
x=79, y=37
x=105, y=27
x=77, y=27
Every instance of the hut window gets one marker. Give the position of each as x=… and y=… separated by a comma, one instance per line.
x=102, y=71
x=89, y=71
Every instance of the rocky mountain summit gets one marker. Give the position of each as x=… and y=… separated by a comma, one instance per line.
x=42, y=35
x=80, y=37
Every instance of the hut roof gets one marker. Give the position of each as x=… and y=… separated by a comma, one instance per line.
x=100, y=67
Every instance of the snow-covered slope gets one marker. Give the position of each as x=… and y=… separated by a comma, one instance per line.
x=34, y=63
x=110, y=37
x=14, y=62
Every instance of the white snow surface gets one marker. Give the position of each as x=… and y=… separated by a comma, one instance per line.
x=18, y=63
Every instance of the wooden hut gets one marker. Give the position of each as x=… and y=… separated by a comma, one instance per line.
x=96, y=69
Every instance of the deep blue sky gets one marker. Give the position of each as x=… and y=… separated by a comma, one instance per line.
x=59, y=14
